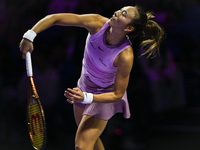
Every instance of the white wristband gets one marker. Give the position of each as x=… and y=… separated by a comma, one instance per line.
x=88, y=98
x=29, y=35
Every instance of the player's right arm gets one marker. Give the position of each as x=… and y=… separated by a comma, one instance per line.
x=92, y=22
x=89, y=21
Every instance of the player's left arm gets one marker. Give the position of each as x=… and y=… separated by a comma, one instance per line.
x=124, y=62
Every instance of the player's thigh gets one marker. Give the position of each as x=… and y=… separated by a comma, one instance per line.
x=78, y=114
x=89, y=129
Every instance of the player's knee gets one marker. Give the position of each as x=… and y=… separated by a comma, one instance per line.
x=78, y=148
x=82, y=146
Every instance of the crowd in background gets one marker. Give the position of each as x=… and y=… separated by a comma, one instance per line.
x=169, y=81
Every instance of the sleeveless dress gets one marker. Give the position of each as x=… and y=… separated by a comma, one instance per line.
x=98, y=74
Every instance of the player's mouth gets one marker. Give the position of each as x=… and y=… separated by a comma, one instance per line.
x=112, y=19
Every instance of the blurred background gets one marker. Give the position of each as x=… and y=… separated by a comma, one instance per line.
x=164, y=92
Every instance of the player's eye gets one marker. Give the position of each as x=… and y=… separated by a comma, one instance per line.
x=124, y=13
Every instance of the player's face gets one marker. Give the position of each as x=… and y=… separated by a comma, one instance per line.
x=122, y=17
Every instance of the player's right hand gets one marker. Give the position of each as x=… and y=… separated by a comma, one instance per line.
x=25, y=46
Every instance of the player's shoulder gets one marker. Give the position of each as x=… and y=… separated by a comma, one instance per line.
x=98, y=18
x=126, y=56
x=96, y=23
x=127, y=53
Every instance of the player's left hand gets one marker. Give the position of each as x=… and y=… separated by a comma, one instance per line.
x=74, y=95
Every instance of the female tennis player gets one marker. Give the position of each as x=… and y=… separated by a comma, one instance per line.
x=107, y=63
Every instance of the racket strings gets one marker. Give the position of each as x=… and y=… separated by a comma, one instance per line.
x=36, y=125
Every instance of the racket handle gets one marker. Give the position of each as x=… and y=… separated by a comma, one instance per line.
x=29, y=69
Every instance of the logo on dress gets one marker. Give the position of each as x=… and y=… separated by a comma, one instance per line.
x=92, y=44
x=99, y=89
x=100, y=48
x=102, y=62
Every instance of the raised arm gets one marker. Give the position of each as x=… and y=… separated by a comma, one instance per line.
x=89, y=21
x=92, y=22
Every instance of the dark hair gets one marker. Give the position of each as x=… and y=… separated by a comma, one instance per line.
x=150, y=32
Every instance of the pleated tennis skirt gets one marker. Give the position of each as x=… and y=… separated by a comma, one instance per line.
x=102, y=111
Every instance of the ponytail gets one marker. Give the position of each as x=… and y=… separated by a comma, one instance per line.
x=149, y=31
x=152, y=35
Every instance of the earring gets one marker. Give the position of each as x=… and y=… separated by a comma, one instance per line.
x=125, y=30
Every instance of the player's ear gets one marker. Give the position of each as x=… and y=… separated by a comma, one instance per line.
x=129, y=28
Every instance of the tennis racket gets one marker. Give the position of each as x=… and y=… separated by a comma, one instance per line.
x=35, y=113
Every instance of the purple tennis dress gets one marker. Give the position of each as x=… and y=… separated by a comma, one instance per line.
x=98, y=74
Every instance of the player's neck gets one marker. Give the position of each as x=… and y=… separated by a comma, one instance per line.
x=114, y=36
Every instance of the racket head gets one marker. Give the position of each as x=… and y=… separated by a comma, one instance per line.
x=36, y=123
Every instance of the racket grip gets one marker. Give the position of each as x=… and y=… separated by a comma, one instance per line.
x=29, y=69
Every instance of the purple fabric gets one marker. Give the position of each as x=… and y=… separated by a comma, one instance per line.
x=102, y=111
x=98, y=74
x=99, y=57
